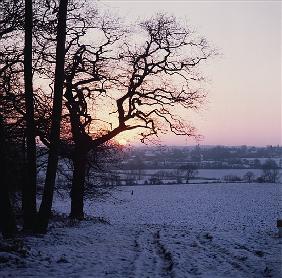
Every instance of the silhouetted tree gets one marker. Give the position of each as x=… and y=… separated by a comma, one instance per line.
x=148, y=80
x=270, y=171
x=7, y=218
x=47, y=199
x=249, y=176
x=148, y=83
x=190, y=171
x=11, y=20
x=29, y=188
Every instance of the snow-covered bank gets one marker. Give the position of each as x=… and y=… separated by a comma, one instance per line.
x=165, y=231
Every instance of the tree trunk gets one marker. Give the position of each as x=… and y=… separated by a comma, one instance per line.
x=29, y=187
x=78, y=183
x=81, y=141
x=47, y=199
x=7, y=218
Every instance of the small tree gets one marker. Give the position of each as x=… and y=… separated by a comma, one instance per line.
x=190, y=171
x=270, y=171
x=249, y=176
x=178, y=175
x=155, y=179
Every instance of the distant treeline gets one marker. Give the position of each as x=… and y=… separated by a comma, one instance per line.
x=218, y=157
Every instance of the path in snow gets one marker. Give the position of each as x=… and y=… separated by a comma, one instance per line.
x=101, y=250
x=143, y=241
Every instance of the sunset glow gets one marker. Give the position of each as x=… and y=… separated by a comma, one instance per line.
x=244, y=82
x=122, y=142
x=140, y=138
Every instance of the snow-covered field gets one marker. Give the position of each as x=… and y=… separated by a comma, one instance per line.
x=217, y=230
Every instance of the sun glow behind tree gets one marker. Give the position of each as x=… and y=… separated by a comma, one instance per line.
x=244, y=79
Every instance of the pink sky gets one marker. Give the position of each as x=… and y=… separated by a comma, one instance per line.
x=245, y=82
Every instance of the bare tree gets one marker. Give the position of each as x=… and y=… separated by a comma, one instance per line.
x=147, y=83
x=85, y=66
x=141, y=84
x=249, y=176
x=270, y=171
x=47, y=199
x=11, y=16
x=190, y=171
x=29, y=188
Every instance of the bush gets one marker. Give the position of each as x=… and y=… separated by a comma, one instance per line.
x=249, y=176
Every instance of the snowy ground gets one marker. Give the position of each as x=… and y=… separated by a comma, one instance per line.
x=216, y=230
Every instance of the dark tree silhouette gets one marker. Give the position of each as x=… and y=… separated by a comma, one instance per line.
x=11, y=19
x=47, y=199
x=149, y=83
x=29, y=188
x=190, y=171
x=141, y=81
x=270, y=171
x=11, y=16
x=7, y=218
x=249, y=176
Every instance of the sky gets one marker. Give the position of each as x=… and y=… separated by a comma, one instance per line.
x=244, y=82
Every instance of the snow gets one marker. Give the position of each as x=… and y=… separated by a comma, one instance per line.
x=215, y=230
